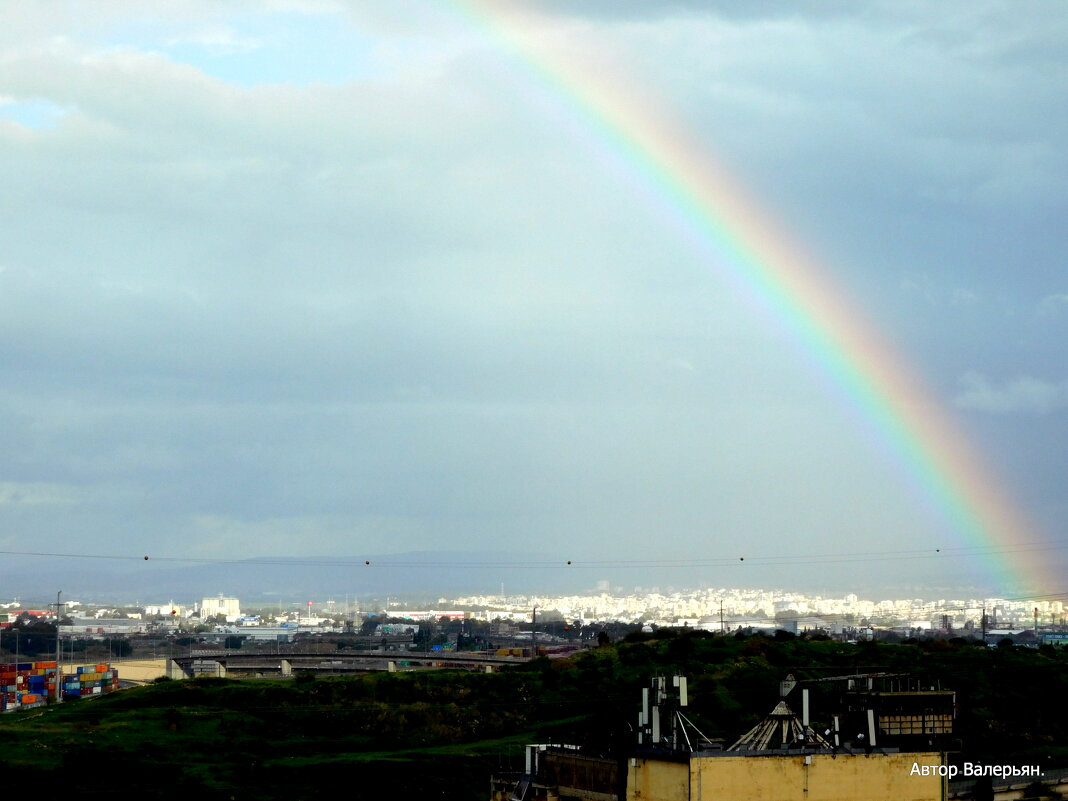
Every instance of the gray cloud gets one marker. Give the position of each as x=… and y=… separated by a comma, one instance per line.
x=430, y=304
x=1022, y=394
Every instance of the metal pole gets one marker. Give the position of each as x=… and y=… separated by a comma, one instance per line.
x=59, y=650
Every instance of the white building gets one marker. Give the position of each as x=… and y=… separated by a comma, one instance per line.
x=230, y=608
x=169, y=609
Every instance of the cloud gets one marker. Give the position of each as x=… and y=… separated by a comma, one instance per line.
x=1023, y=394
x=1053, y=305
x=319, y=287
x=219, y=40
x=935, y=293
x=36, y=493
x=32, y=114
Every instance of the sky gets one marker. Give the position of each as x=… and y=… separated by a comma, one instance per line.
x=333, y=279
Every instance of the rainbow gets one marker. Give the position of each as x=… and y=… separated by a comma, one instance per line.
x=642, y=143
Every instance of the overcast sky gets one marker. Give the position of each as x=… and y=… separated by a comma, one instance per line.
x=329, y=278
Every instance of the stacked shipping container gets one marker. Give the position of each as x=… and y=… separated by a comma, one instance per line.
x=28, y=684
x=91, y=680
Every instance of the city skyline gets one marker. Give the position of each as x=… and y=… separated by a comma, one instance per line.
x=710, y=608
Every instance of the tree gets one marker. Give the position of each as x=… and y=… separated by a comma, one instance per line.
x=30, y=637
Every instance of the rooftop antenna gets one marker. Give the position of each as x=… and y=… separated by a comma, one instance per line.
x=663, y=705
x=780, y=729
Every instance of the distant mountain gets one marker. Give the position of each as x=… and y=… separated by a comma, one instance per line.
x=419, y=575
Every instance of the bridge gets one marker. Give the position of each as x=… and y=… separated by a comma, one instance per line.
x=245, y=664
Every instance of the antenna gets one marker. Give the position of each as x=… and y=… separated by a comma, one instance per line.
x=660, y=706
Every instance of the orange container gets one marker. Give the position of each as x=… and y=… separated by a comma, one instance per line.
x=30, y=698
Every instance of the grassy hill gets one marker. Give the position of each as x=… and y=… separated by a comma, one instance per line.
x=441, y=734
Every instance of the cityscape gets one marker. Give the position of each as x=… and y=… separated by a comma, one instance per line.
x=877, y=693
x=722, y=610
x=522, y=400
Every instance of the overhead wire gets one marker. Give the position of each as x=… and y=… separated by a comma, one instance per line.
x=387, y=563
x=713, y=561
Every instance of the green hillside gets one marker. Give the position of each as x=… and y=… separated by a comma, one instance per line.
x=443, y=733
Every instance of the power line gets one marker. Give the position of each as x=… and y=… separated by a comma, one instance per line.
x=642, y=563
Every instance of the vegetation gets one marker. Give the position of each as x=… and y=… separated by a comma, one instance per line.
x=442, y=733
x=29, y=639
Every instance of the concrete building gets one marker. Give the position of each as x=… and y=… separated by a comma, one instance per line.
x=730, y=776
x=560, y=773
x=884, y=744
x=169, y=609
x=230, y=608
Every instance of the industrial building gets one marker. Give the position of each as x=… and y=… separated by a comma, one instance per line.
x=169, y=609
x=229, y=608
x=785, y=776
x=884, y=740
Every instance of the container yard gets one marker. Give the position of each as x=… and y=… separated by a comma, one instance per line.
x=28, y=684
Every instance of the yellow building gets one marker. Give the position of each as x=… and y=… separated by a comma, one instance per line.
x=891, y=756
x=730, y=776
